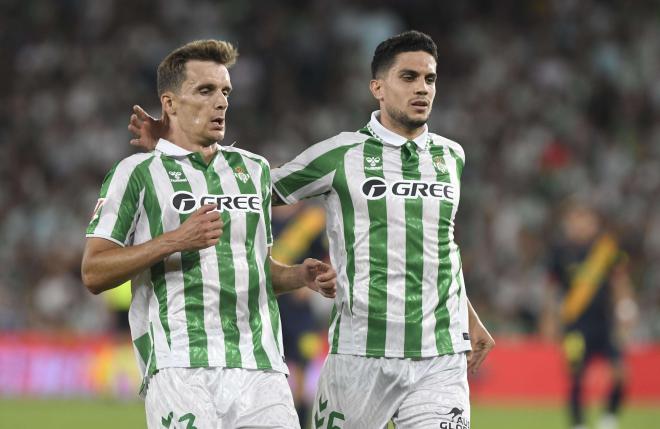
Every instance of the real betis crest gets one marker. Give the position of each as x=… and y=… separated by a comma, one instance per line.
x=241, y=175
x=439, y=164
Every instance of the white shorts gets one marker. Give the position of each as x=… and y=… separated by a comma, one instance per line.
x=361, y=392
x=219, y=398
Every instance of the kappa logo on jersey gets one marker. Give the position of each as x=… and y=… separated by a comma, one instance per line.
x=374, y=188
x=185, y=202
x=175, y=176
x=241, y=175
x=374, y=163
x=439, y=164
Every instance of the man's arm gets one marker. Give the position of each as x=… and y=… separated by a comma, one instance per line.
x=106, y=265
x=481, y=340
x=625, y=308
x=312, y=273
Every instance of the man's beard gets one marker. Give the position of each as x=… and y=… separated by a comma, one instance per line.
x=404, y=120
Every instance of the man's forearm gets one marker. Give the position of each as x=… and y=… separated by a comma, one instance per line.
x=285, y=278
x=472, y=315
x=105, y=267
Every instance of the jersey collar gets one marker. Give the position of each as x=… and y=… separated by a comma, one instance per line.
x=390, y=137
x=168, y=148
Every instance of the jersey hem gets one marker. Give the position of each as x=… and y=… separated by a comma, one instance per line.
x=109, y=238
x=284, y=369
x=403, y=354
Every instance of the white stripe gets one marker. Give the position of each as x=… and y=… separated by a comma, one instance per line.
x=161, y=346
x=176, y=316
x=455, y=328
x=396, y=260
x=334, y=226
x=354, y=165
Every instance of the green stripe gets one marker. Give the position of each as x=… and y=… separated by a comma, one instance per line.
x=235, y=160
x=193, y=288
x=227, y=278
x=442, y=319
x=155, y=217
x=335, y=335
x=129, y=204
x=144, y=347
x=153, y=366
x=377, y=305
x=414, y=260
x=104, y=192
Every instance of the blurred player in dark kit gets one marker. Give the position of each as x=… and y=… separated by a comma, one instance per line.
x=590, y=295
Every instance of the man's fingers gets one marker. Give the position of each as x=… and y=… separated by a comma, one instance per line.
x=135, y=131
x=326, y=276
x=312, y=263
x=140, y=112
x=477, y=359
x=205, y=209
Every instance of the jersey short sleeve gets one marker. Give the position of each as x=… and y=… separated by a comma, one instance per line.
x=311, y=173
x=119, y=202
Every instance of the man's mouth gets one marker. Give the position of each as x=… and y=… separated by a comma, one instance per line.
x=219, y=123
x=420, y=103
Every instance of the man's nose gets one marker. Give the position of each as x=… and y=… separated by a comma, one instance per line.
x=221, y=102
x=421, y=88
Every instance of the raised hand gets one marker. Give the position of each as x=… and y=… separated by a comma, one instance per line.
x=147, y=129
x=201, y=230
x=320, y=277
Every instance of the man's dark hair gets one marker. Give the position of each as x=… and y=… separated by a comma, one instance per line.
x=409, y=41
x=172, y=70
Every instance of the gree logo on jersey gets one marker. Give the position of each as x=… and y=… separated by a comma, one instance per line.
x=185, y=202
x=374, y=188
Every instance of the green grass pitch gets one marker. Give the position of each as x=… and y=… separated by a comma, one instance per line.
x=108, y=414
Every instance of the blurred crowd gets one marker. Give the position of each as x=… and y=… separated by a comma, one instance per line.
x=549, y=98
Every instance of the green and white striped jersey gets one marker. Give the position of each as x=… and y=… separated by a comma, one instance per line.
x=390, y=221
x=207, y=308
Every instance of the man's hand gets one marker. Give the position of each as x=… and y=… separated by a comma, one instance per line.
x=481, y=342
x=147, y=129
x=320, y=277
x=201, y=230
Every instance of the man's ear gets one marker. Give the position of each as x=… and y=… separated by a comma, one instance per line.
x=376, y=87
x=168, y=102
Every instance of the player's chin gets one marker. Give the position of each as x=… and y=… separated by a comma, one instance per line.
x=217, y=135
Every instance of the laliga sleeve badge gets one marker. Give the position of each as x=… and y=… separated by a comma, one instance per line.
x=97, y=208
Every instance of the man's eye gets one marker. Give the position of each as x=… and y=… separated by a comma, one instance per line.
x=204, y=91
x=430, y=79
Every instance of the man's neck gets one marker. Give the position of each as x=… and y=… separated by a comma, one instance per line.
x=183, y=141
x=398, y=128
